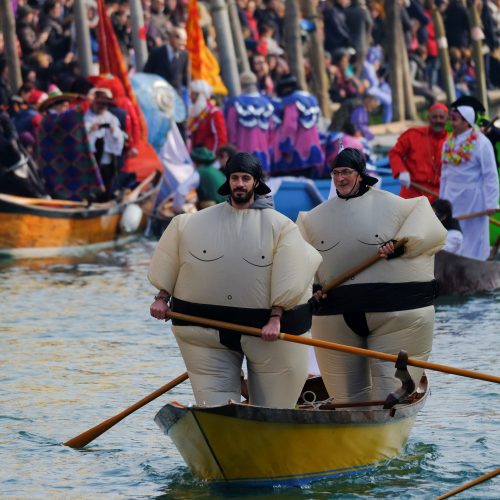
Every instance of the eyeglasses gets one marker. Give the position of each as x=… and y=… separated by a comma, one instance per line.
x=344, y=173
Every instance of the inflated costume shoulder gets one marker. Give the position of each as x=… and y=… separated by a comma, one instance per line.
x=346, y=232
x=238, y=258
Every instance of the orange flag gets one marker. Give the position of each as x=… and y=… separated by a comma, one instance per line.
x=204, y=65
x=111, y=60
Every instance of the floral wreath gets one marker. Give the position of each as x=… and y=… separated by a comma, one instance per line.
x=454, y=155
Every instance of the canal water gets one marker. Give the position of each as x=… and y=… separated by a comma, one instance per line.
x=78, y=346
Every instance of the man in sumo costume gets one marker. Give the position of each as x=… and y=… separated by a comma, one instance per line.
x=241, y=262
x=389, y=306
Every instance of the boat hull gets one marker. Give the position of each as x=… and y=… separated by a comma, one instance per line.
x=461, y=275
x=36, y=229
x=255, y=446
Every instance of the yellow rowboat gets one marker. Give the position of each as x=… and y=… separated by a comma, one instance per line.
x=40, y=228
x=255, y=446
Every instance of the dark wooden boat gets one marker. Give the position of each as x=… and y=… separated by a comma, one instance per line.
x=459, y=275
x=39, y=227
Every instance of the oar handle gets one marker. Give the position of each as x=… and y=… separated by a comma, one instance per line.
x=256, y=332
x=338, y=280
x=460, y=217
x=134, y=194
x=472, y=215
x=470, y=484
x=424, y=189
x=86, y=437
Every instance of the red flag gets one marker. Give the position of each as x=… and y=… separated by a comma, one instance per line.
x=111, y=60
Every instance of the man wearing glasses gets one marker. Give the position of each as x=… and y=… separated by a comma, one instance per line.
x=387, y=307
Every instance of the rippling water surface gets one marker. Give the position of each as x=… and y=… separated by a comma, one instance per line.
x=78, y=346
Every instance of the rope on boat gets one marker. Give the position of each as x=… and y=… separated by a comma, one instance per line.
x=313, y=403
x=470, y=484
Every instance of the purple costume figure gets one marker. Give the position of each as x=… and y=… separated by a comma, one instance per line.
x=296, y=143
x=249, y=119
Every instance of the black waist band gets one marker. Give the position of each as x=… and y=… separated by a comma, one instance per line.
x=378, y=297
x=296, y=321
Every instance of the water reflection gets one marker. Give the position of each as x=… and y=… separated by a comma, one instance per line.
x=78, y=347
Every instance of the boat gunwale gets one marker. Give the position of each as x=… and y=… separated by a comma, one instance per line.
x=10, y=204
x=171, y=413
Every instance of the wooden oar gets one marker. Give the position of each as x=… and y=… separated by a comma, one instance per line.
x=473, y=215
x=459, y=217
x=86, y=437
x=338, y=280
x=424, y=189
x=134, y=194
x=470, y=484
x=249, y=330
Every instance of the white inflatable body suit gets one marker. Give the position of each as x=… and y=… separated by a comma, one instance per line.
x=388, y=307
x=238, y=263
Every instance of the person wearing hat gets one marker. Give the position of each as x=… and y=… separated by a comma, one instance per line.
x=242, y=262
x=296, y=144
x=210, y=178
x=469, y=180
x=388, y=306
x=416, y=156
x=249, y=120
x=105, y=135
x=206, y=125
x=56, y=101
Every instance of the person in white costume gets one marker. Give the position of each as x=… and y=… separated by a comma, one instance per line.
x=389, y=306
x=469, y=180
x=106, y=138
x=242, y=262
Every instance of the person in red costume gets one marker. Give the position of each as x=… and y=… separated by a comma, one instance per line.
x=416, y=157
x=206, y=124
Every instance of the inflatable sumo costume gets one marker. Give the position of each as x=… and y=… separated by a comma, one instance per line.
x=387, y=307
x=233, y=265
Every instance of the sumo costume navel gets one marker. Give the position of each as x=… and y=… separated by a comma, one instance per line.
x=387, y=307
x=233, y=265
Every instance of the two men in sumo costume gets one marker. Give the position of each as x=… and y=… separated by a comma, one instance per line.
x=243, y=262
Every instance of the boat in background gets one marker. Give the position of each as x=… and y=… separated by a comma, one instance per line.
x=458, y=275
x=41, y=227
x=247, y=445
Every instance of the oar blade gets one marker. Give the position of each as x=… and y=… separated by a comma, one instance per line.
x=88, y=436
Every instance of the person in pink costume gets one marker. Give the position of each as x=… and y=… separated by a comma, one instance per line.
x=249, y=120
x=296, y=143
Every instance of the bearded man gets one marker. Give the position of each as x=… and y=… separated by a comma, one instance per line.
x=416, y=157
x=206, y=125
x=242, y=262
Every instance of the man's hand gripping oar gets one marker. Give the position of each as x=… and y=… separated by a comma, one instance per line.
x=388, y=249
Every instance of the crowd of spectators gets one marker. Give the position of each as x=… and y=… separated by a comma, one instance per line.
x=353, y=31
x=354, y=41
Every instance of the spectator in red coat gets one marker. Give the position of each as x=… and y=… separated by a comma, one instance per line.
x=206, y=125
x=416, y=157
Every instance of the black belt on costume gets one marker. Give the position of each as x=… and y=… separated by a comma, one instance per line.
x=378, y=297
x=296, y=321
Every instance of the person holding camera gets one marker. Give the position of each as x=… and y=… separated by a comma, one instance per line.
x=105, y=135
